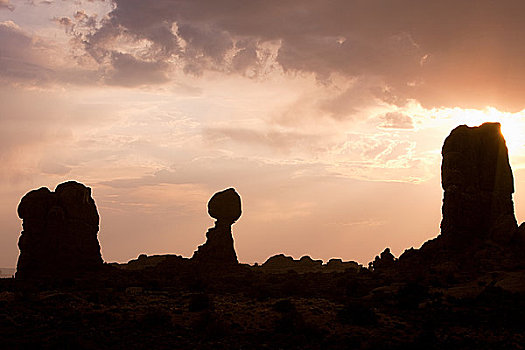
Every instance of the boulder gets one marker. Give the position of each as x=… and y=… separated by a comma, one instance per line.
x=279, y=261
x=336, y=264
x=282, y=264
x=59, y=236
x=225, y=206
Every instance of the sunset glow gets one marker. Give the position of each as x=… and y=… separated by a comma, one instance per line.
x=327, y=119
x=512, y=126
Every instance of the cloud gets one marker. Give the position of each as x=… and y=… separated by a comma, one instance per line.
x=222, y=171
x=274, y=140
x=129, y=71
x=53, y=168
x=22, y=56
x=347, y=101
x=379, y=148
x=396, y=120
x=441, y=54
x=246, y=56
x=6, y=4
x=31, y=60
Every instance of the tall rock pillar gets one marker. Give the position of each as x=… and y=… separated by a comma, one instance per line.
x=478, y=186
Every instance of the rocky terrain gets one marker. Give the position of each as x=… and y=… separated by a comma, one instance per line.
x=465, y=289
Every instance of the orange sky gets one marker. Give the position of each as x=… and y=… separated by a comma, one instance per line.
x=327, y=117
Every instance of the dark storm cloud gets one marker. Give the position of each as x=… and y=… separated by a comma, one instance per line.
x=129, y=71
x=442, y=53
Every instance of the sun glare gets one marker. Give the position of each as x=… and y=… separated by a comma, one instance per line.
x=512, y=124
x=514, y=135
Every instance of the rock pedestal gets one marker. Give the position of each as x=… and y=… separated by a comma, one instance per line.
x=225, y=206
x=478, y=184
x=59, y=236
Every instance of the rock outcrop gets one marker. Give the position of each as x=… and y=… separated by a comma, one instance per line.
x=59, y=236
x=283, y=264
x=225, y=206
x=479, y=232
x=385, y=260
x=478, y=184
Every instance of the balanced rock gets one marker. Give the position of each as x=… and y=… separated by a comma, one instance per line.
x=225, y=206
x=478, y=186
x=59, y=236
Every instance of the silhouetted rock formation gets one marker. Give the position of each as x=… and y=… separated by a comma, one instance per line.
x=59, y=234
x=145, y=262
x=464, y=289
x=479, y=232
x=385, y=261
x=282, y=264
x=225, y=206
x=340, y=265
x=478, y=184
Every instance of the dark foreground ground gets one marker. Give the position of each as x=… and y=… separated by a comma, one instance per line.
x=170, y=304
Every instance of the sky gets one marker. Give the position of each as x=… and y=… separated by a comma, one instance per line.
x=327, y=116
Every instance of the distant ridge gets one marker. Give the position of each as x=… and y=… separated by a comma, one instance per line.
x=7, y=272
